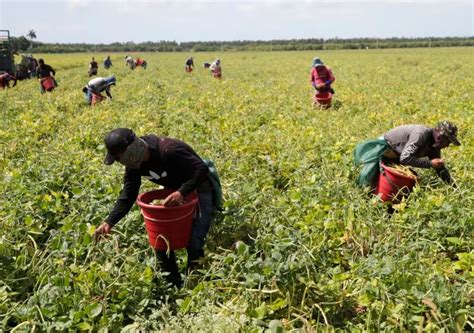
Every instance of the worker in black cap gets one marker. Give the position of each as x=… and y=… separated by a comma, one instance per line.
x=172, y=164
x=412, y=145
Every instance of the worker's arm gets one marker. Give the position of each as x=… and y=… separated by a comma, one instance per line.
x=107, y=92
x=440, y=168
x=414, y=143
x=127, y=197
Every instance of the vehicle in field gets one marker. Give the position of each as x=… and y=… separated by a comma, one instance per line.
x=7, y=64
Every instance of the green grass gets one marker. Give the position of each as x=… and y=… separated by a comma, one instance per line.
x=315, y=251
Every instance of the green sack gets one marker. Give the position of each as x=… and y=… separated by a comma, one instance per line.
x=368, y=154
x=216, y=184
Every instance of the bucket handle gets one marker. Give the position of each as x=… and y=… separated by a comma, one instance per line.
x=166, y=221
x=167, y=242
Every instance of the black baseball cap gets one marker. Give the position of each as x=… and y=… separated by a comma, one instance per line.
x=117, y=141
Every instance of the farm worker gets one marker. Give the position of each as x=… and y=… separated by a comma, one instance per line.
x=172, y=164
x=129, y=62
x=97, y=86
x=44, y=71
x=321, y=77
x=5, y=79
x=33, y=64
x=140, y=63
x=216, y=69
x=107, y=62
x=93, y=67
x=189, y=65
x=413, y=145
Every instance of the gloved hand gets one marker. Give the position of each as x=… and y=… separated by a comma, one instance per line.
x=327, y=83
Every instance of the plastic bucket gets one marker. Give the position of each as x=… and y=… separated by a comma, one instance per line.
x=323, y=98
x=47, y=83
x=96, y=98
x=189, y=69
x=392, y=186
x=168, y=228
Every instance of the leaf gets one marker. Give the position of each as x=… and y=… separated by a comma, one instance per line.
x=454, y=240
x=84, y=326
x=96, y=310
x=184, y=306
x=278, y=304
x=276, y=326
x=430, y=304
x=261, y=311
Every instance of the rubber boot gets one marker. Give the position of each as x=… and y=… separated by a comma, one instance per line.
x=168, y=264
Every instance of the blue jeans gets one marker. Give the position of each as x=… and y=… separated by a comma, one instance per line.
x=195, y=249
x=88, y=96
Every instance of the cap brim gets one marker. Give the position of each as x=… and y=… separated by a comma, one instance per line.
x=109, y=159
x=454, y=141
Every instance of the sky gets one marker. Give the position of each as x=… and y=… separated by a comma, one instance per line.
x=107, y=21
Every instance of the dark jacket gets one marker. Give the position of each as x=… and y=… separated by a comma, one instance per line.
x=45, y=71
x=414, y=145
x=172, y=164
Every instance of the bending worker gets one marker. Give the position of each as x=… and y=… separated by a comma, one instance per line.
x=189, y=65
x=172, y=164
x=216, y=69
x=413, y=145
x=97, y=86
x=321, y=77
x=5, y=79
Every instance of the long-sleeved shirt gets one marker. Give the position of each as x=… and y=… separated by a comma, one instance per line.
x=98, y=85
x=45, y=71
x=190, y=62
x=172, y=164
x=321, y=74
x=107, y=63
x=414, y=145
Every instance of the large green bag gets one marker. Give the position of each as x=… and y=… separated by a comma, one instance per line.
x=216, y=184
x=368, y=154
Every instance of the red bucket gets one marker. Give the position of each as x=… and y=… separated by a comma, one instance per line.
x=392, y=185
x=96, y=98
x=167, y=227
x=189, y=69
x=47, y=83
x=323, y=98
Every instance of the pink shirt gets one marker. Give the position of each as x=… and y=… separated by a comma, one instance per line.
x=321, y=74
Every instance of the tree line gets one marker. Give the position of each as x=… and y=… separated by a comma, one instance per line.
x=22, y=44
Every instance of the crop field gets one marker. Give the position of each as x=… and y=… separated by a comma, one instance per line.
x=298, y=247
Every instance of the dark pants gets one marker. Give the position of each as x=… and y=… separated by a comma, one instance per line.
x=195, y=249
x=325, y=89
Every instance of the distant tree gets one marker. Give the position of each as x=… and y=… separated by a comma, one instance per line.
x=31, y=35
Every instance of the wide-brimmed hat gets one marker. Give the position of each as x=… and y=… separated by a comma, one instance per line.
x=317, y=62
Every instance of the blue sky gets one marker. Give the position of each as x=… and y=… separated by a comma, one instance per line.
x=107, y=21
